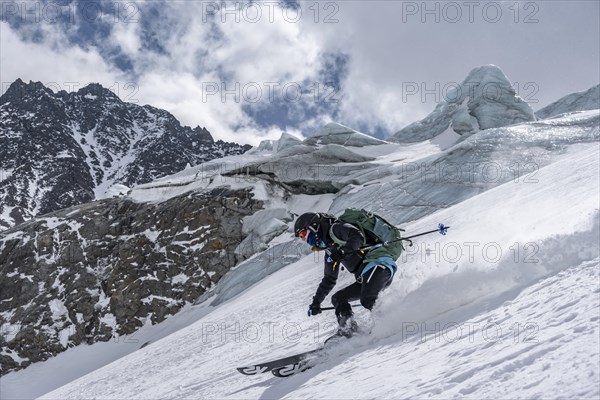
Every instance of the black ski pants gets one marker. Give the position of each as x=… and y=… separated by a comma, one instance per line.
x=367, y=291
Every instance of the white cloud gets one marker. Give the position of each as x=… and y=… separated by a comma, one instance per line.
x=52, y=62
x=201, y=55
x=390, y=45
x=127, y=36
x=167, y=82
x=266, y=52
x=385, y=53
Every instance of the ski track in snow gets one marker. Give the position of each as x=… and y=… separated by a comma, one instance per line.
x=524, y=325
x=521, y=346
x=505, y=329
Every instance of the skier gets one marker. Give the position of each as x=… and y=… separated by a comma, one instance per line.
x=367, y=245
x=342, y=242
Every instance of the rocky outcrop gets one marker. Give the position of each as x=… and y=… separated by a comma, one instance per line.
x=61, y=149
x=103, y=269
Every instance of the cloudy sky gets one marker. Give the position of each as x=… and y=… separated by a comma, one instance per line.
x=249, y=70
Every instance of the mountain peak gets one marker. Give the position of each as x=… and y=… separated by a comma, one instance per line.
x=487, y=73
x=333, y=128
x=74, y=146
x=285, y=141
x=19, y=89
x=334, y=133
x=487, y=83
x=203, y=134
x=96, y=90
x=485, y=99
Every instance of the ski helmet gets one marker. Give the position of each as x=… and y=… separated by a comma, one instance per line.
x=307, y=220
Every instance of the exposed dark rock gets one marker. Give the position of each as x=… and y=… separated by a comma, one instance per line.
x=103, y=269
x=62, y=149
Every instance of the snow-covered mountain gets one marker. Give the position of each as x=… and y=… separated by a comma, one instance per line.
x=580, y=101
x=505, y=306
x=62, y=149
x=511, y=325
x=485, y=99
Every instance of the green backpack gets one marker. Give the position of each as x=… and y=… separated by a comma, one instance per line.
x=377, y=228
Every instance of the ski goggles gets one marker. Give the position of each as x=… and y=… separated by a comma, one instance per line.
x=303, y=234
x=310, y=237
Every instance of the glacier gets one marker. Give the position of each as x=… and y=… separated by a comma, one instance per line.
x=506, y=305
x=484, y=99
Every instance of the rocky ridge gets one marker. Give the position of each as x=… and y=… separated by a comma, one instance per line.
x=61, y=149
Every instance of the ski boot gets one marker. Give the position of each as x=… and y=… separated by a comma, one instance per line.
x=348, y=328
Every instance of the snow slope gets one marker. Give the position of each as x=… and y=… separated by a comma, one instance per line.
x=505, y=306
x=579, y=101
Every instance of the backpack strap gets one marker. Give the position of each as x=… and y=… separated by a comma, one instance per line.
x=341, y=242
x=384, y=261
x=336, y=240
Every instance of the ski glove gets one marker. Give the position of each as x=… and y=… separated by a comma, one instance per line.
x=336, y=255
x=314, y=309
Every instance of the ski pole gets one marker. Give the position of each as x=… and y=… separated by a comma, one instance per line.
x=441, y=229
x=333, y=308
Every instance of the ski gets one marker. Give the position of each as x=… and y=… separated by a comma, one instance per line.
x=302, y=365
x=285, y=362
x=293, y=368
x=291, y=365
